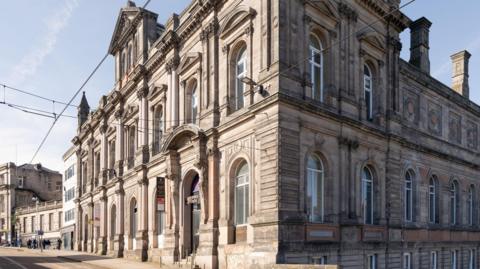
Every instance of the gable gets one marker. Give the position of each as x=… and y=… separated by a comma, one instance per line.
x=126, y=18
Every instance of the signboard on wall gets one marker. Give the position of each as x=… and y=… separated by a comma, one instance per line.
x=160, y=194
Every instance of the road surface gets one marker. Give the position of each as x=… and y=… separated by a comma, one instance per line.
x=12, y=258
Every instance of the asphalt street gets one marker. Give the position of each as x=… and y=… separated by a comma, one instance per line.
x=20, y=259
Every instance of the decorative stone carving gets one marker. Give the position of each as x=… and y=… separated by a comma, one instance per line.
x=411, y=107
x=142, y=92
x=237, y=146
x=172, y=64
x=347, y=12
x=435, y=119
x=454, y=128
x=472, y=135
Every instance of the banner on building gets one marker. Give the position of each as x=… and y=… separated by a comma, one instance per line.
x=160, y=193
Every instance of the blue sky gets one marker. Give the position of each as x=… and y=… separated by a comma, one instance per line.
x=50, y=46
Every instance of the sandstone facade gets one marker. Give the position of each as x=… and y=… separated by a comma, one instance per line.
x=248, y=133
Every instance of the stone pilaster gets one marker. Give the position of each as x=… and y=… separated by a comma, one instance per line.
x=118, y=241
x=102, y=241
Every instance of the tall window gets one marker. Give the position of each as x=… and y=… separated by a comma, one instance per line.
x=407, y=261
x=131, y=146
x=133, y=221
x=453, y=202
x=157, y=128
x=433, y=200
x=315, y=189
x=471, y=259
x=194, y=104
x=2, y=203
x=368, y=91
x=316, y=68
x=241, y=194
x=111, y=154
x=408, y=196
x=471, y=205
x=372, y=261
x=453, y=259
x=367, y=195
x=240, y=72
x=433, y=260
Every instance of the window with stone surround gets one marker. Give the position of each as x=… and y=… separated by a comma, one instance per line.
x=239, y=69
x=315, y=189
x=433, y=200
x=157, y=128
x=2, y=203
x=368, y=196
x=242, y=196
x=408, y=196
x=316, y=67
x=191, y=101
x=368, y=91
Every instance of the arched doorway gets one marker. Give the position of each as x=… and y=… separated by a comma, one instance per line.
x=192, y=214
x=113, y=226
x=133, y=222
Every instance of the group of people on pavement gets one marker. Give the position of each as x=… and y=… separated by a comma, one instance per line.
x=44, y=243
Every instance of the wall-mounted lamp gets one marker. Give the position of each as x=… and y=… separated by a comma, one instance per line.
x=253, y=83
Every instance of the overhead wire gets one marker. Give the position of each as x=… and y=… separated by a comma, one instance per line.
x=73, y=98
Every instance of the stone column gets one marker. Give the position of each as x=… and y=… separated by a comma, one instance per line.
x=173, y=91
x=142, y=155
x=207, y=256
x=91, y=228
x=119, y=147
x=142, y=233
x=78, y=226
x=102, y=242
x=172, y=252
x=103, y=155
x=120, y=223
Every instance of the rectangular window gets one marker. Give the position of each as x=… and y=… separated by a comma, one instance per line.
x=32, y=225
x=41, y=223
x=372, y=261
x=433, y=260
x=471, y=259
x=50, y=220
x=25, y=225
x=407, y=261
x=453, y=259
x=20, y=182
x=320, y=260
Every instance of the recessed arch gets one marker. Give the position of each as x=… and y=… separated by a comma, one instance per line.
x=237, y=16
x=181, y=136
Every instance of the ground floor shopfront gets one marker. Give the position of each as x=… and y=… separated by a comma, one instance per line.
x=68, y=237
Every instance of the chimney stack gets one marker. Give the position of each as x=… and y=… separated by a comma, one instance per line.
x=419, y=44
x=460, y=73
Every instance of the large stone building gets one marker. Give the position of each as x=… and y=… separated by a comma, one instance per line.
x=246, y=133
x=18, y=185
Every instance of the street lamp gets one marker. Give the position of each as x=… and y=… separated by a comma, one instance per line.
x=37, y=201
x=253, y=83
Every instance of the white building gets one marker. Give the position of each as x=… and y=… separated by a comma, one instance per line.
x=69, y=185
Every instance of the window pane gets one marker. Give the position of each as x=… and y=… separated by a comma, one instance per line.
x=317, y=82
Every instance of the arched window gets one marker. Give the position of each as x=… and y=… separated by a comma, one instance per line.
x=315, y=189
x=111, y=157
x=242, y=183
x=471, y=205
x=367, y=195
x=433, y=200
x=316, y=67
x=453, y=202
x=408, y=196
x=157, y=128
x=194, y=104
x=368, y=91
x=131, y=145
x=240, y=73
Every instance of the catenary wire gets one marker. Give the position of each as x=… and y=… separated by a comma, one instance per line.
x=73, y=98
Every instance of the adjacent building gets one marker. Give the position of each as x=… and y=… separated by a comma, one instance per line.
x=18, y=187
x=42, y=220
x=69, y=190
x=250, y=133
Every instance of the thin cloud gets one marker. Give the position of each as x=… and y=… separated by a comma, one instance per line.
x=34, y=58
x=447, y=65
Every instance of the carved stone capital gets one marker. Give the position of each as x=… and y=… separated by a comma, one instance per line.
x=225, y=49
x=119, y=114
x=347, y=12
x=103, y=128
x=172, y=64
x=248, y=30
x=142, y=92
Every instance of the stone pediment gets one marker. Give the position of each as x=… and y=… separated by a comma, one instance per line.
x=372, y=39
x=188, y=60
x=239, y=15
x=124, y=23
x=326, y=7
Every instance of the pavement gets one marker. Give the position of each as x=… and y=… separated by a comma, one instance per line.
x=23, y=258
